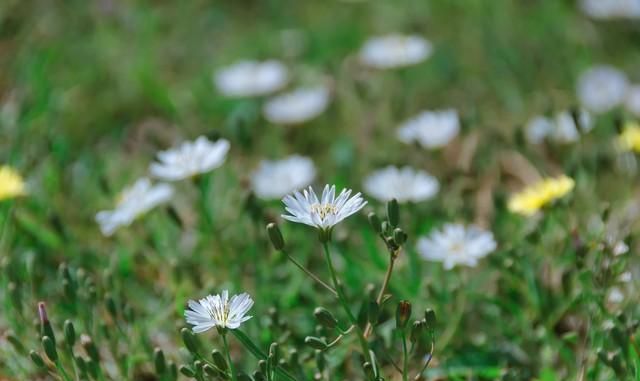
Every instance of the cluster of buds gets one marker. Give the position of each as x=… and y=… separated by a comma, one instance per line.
x=389, y=231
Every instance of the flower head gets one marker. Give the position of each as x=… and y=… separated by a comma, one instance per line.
x=602, y=88
x=323, y=213
x=633, y=100
x=395, y=50
x=404, y=184
x=11, y=183
x=296, y=107
x=190, y=159
x=629, y=139
x=276, y=179
x=218, y=311
x=431, y=129
x=611, y=9
x=456, y=244
x=251, y=78
x=134, y=201
x=530, y=200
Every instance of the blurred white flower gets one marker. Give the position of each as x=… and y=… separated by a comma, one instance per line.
x=322, y=213
x=403, y=184
x=565, y=127
x=395, y=50
x=633, y=100
x=251, y=78
x=431, y=129
x=134, y=201
x=456, y=244
x=218, y=311
x=620, y=248
x=298, y=106
x=190, y=159
x=602, y=88
x=615, y=295
x=610, y=9
x=276, y=179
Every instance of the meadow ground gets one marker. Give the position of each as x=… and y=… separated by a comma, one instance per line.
x=494, y=142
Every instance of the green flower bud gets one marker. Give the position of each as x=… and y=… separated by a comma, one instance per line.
x=369, y=371
x=325, y=317
x=430, y=318
x=90, y=347
x=187, y=372
x=37, y=359
x=418, y=329
x=81, y=364
x=17, y=344
x=273, y=353
x=159, y=361
x=69, y=333
x=209, y=370
x=275, y=236
x=173, y=371
x=393, y=213
x=189, y=340
x=373, y=312
x=263, y=366
x=375, y=223
x=399, y=236
x=218, y=360
x=50, y=348
x=403, y=313
x=321, y=362
x=259, y=376
x=45, y=325
x=315, y=343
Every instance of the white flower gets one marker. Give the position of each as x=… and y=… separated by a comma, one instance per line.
x=190, y=159
x=432, y=129
x=537, y=129
x=322, y=213
x=296, y=107
x=633, y=100
x=456, y=244
x=563, y=128
x=251, y=78
x=276, y=179
x=615, y=296
x=602, y=88
x=219, y=311
x=138, y=199
x=403, y=184
x=391, y=51
x=610, y=9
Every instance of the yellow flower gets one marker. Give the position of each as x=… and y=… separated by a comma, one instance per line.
x=528, y=201
x=629, y=139
x=11, y=183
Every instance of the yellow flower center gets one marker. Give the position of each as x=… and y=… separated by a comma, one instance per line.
x=11, y=183
x=323, y=210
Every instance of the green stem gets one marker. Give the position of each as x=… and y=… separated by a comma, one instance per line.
x=383, y=289
x=343, y=301
x=63, y=373
x=405, y=357
x=226, y=349
x=310, y=274
x=257, y=353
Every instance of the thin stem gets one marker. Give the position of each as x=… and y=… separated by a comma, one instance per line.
x=343, y=301
x=310, y=274
x=226, y=349
x=405, y=357
x=63, y=373
x=383, y=289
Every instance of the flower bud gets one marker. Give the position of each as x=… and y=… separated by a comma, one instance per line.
x=263, y=366
x=17, y=344
x=369, y=371
x=373, y=312
x=325, y=317
x=90, y=347
x=375, y=223
x=393, y=213
x=315, y=343
x=81, y=364
x=273, y=353
x=69, y=333
x=430, y=318
x=209, y=370
x=189, y=340
x=45, y=325
x=417, y=330
x=37, y=359
x=321, y=362
x=403, y=313
x=159, y=361
x=218, y=360
x=275, y=236
x=399, y=236
x=49, y=348
x=258, y=376
x=187, y=372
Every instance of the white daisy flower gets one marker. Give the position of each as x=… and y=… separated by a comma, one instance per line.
x=297, y=107
x=538, y=129
x=134, y=201
x=610, y=9
x=251, y=78
x=218, y=311
x=322, y=213
x=190, y=159
x=404, y=184
x=395, y=50
x=602, y=88
x=431, y=129
x=562, y=128
x=456, y=244
x=276, y=179
x=633, y=100
x=615, y=295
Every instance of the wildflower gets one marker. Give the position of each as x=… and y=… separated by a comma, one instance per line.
x=633, y=100
x=190, y=159
x=276, y=179
x=218, y=311
x=431, y=129
x=11, y=183
x=629, y=139
x=296, y=107
x=602, y=88
x=565, y=127
x=394, y=50
x=530, y=200
x=615, y=296
x=322, y=213
x=404, y=184
x=251, y=78
x=456, y=244
x=611, y=9
x=133, y=202
x=537, y=129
